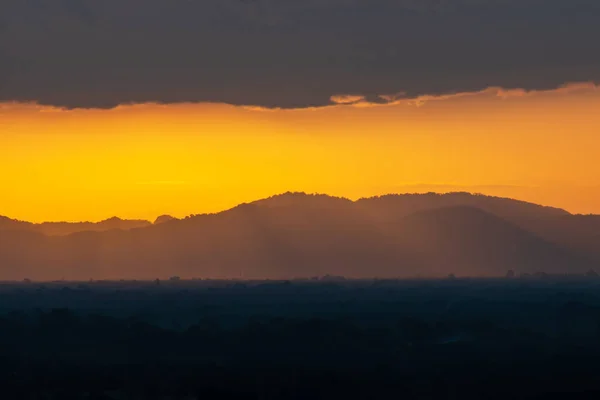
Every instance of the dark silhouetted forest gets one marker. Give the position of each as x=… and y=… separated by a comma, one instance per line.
x=320, y=338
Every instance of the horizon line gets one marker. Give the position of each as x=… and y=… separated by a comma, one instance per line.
x=291, y=192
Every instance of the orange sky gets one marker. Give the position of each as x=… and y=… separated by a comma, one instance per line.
x=145, y=160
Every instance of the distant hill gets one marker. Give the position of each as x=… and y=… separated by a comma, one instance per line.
x=163, y=218
x=580, y=233
x=478, y=243
x=13, y=224
x=399, y=205
x=67, y=228
x=299, y=235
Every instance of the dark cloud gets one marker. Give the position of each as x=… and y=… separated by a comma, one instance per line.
x=288, y=53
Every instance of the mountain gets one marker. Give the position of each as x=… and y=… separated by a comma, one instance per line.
x=399, y=205
x=299, y=235
x=478, y=243
x=163, y=218
x=67, y=228
x=13, y=224
x=580, y=233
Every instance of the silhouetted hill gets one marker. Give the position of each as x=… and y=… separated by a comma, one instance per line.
x=163, y=218
x=580, y=233
x=395, y=206
x=66, y=228
x=304, y=200
x=478, y=243
x=13, y=224
x=298, y=235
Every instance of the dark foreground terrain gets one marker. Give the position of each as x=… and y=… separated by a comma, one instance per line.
x=529, y=338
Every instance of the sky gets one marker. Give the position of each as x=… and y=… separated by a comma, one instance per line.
x=140, y=108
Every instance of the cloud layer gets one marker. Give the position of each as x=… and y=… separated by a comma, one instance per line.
x=288, y=53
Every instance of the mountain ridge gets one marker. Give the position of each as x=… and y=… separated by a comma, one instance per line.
x=300, y=235
x=280, y=200
x=65, y=228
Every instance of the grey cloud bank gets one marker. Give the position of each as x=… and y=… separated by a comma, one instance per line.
x=288, y=54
